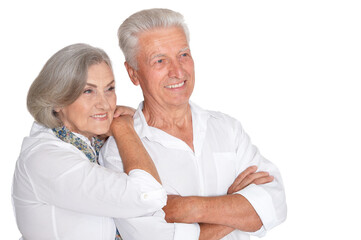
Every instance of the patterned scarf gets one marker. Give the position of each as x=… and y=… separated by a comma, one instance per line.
x=67, y=136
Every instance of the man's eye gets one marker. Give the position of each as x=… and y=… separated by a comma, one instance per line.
x=160, y=61
x=184, y=54
x=111, y=88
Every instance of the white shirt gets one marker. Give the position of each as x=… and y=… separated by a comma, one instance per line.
x=222, y=150
x=59, y=194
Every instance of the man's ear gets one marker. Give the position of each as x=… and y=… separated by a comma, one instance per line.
x=132, y=74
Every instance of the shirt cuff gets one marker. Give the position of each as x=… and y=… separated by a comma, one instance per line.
x=263, y=205
x=186, y=231
x=151, y=190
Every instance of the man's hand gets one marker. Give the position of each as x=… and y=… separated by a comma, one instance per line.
x=179, y=209
x=248, y=177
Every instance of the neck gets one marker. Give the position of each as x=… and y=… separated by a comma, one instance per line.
x=74, y=131
x=161, y=117
x=176, y=121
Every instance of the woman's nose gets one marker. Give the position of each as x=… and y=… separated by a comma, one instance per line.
x=102, y=102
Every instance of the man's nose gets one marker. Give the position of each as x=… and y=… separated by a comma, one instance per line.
x=176, y=70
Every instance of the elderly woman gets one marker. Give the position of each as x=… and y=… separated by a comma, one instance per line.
x=59, y=190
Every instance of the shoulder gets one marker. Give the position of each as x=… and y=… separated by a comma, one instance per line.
x=220, y=119
x=43, y=147
x=109, y=155
x=218, y=123
x=109, y=148
x=211, y=115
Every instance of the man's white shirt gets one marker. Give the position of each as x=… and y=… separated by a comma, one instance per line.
x=222, y=150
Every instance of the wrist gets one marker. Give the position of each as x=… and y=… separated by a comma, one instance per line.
x=123, y=129
x=194, y=206
x=199, y=207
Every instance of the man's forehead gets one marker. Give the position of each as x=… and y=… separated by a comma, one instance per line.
x=157, y=54
x=161, y=36
x=159, y=42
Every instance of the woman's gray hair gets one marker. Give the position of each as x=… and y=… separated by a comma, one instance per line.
x=143, y=21
x=62, y=81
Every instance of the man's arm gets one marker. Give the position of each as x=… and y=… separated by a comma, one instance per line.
x=251, y=207
x=213, y=231
x=229, y=210
x=233, y=211
x=181, y=209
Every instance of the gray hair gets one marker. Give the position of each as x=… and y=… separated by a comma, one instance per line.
x=143, y=21
x=62, y=81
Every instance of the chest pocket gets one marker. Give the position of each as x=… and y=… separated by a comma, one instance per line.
x=225, y=163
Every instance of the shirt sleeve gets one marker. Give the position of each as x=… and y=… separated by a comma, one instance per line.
x=153, y=226
x=149, y=226
x=269, y=199
x=64, y=177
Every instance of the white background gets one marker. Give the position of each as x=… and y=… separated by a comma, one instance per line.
x=288, y=70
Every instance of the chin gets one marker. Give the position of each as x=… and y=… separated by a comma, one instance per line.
x=100, y=130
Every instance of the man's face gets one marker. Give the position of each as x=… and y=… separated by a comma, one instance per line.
x=165, y=68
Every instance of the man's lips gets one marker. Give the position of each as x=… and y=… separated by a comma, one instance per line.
x=177, y=85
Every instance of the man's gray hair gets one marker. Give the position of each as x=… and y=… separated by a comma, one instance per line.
x=62, y=81
x=143, y=21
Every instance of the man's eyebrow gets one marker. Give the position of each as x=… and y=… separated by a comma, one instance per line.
x=162, y=55
x=184, y=49
x=95, y=86
x=157, y=55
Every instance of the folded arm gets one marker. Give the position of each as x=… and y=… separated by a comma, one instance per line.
x=219, y=216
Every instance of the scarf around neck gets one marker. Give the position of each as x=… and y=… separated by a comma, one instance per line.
x=67, y=136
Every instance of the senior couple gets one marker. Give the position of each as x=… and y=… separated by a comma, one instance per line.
x=169, y=170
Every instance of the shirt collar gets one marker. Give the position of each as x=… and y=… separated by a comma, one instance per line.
x=199, y=121
x=38, y=128
x=140, y=124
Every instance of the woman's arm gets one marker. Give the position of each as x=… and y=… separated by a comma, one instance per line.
x=131, y=149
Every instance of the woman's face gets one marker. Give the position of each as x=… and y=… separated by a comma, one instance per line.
x=92, y=113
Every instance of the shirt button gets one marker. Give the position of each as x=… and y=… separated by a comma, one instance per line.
x=145, y=196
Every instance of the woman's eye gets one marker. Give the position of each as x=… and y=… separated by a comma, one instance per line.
x=112, y=88
x=87, y=91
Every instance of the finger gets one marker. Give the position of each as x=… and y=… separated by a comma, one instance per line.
x=245, y=173
x=123, y=110
x=242, y=176
x=116, y=114
x=252, y=177
x=249, y=179
x=263, y=180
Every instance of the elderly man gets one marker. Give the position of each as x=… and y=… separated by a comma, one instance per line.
x=218, y=184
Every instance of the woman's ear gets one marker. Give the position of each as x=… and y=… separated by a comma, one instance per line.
x=57, y=109
x=132, y=74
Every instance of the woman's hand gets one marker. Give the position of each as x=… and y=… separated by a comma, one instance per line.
x=124, y=110
x=123, y=118
x=121, y=124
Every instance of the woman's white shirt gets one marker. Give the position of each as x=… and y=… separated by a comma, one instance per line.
x=59, y=194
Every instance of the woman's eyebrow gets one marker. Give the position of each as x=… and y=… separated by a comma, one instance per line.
x=95, y=86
